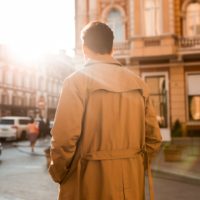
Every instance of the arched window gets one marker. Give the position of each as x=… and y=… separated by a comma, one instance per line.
x=193, y=19
x=116, y=22
x=152, y=17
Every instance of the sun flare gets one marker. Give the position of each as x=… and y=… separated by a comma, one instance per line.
x=34, y=27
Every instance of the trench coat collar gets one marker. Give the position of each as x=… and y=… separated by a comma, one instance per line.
x=110, y=61
x=123, y=80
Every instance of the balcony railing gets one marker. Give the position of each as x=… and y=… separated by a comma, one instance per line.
x=152, y=42
x=121, y=48
x=185, y=42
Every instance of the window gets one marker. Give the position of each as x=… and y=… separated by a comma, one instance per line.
x=5, y=98
x=152, y=17
x=24, y=100
x=8, y=77
x=116, y=22
x=15, y=99
x=16, y=79
x=193, y=82
x=158, y=95
x=24, y=121
x=41, y=83
x=193, y=19
x=49, y=86
x=7, y=121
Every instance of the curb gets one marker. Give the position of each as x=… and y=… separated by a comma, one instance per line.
x=175, y=177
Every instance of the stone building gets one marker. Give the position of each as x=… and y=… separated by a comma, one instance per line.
x=160, y=41
x=31, y=89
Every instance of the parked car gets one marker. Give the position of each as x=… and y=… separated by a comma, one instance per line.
x=13, y=127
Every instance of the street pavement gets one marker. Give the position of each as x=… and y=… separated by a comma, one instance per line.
x=187, y=169
x=24, y=175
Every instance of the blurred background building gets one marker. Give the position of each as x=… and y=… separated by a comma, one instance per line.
x=160, y=41
x=31, y=89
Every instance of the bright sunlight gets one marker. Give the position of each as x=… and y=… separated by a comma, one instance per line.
x=32, y=28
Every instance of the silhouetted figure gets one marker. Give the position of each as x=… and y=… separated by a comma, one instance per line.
x=42, y=128
x=47, y=128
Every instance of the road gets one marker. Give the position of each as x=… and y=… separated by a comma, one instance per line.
x=24, y=177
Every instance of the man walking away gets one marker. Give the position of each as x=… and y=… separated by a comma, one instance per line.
x=105, y=131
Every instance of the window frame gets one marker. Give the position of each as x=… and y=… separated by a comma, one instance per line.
x=105, y=13
x=165, y=132
x=159, y=74
x=187, y=74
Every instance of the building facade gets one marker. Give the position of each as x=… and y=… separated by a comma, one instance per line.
x=31, y=89
x=160, y=41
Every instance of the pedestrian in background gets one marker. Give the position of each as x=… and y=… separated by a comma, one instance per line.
x=47, y=128
x=32, y=133
x=42, y=128
x=105, y=131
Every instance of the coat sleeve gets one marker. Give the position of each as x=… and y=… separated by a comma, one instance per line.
x=66, y=131
x=152, y=137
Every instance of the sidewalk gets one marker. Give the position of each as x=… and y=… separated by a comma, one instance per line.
x=40, y=146
x=187, y=170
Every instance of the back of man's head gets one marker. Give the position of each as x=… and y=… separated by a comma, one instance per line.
x=98, y=37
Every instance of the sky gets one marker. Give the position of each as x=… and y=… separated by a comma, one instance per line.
x=34, y=27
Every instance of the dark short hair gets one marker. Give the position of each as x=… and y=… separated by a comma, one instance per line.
x=98, y=37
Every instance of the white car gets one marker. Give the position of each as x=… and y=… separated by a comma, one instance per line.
x=13, y=127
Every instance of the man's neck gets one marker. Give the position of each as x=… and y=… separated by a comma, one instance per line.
x=101, y=57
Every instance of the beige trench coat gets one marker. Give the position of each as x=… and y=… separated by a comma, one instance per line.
x=104, y=122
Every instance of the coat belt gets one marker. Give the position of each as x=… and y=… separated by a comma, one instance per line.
x=112, y=154
x=123, y=154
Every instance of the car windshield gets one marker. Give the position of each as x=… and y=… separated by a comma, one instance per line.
x=7, y=121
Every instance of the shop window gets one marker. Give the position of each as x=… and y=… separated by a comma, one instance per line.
x=193, y=19
x=193, y=97
x=116, y=22
x=158, y=96
x=152, y=16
